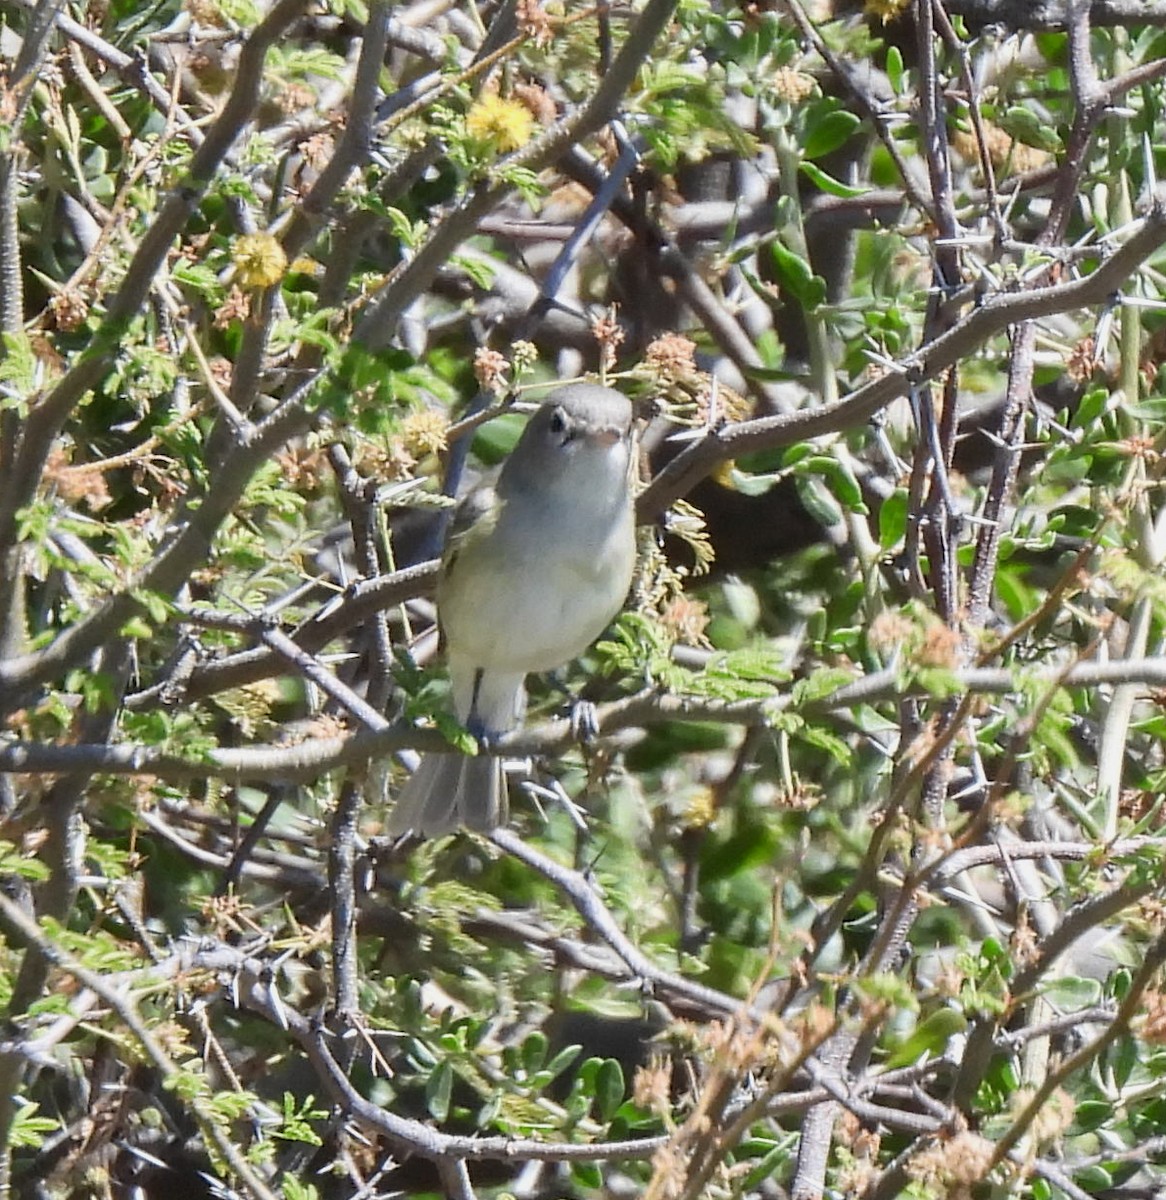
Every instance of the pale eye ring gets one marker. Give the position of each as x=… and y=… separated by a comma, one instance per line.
x=558, y=422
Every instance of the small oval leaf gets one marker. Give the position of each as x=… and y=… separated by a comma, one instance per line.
x=609, y=1089
x=438, y=1090
x=829, y=132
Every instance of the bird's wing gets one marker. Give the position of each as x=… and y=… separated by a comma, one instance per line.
x=474, y=517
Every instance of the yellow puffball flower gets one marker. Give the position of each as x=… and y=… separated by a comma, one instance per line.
x=424, y=432
x=259, y=260
x=503, y=125
x=888, y=10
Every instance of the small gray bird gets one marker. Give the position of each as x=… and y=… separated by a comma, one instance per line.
x=535, y=567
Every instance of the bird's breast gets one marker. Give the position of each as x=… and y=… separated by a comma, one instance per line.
x=538, y=590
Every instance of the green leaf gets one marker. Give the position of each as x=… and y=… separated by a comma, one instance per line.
x=1026, y=126
x=843, y=485
x=796, y=276
x=27, y=1129
x=137, y=628
x=609, y=1089
x=294, y=1189
x=201, y=279
x=746, y=850
x=1151, y=410
x=562, y=1061
x=534, y=1052
x=765, y=1167
x=158, y=607
x=818, y=500
x=13, y=861
x=1092, y=1114
x=1092, y=407
x=491, y=1110
x=831, y=743
x=1094, y=1179
x=893, y=519
x=930, y=1037
x=588, y=1175
x=18, y=368
x=895, y=69
x=994, y=952
x=939, y=681
x=297, y=1120
x=829, y=132
x=753, y=485
x=1124, y=1061
x=1074, y=991
x=830, y=185
x=438, y=1090
x=819, y=684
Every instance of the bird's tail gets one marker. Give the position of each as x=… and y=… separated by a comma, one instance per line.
x=449, y=791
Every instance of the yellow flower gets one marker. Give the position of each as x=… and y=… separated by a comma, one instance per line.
x=424, y=432
x=504, y=125
x=723, y=474
x=700, y=809
x=888, y=10
x=259, y=260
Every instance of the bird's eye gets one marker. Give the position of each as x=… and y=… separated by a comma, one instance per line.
x=558, y=422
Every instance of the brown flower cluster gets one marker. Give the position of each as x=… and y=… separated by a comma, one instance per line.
x=1004, y=152
x=1150, y=1026
x=949, y=1168
x=890, y=630
x=303, y=468
x=928, y=641
x=81, y=484
x=317, y=149
x=1052, y=1119
x=491, y=370
x=672, y=357
x=294, y=98
x=1082, y=360
x=792, y=85
x=941, y=646
x=69, y=309
x=236, y=307
x=607, y=331
x=652, y=1086
x=538, y=100
x=206, y=13
x=534, y=23
x=686, y=618
x=392, y=462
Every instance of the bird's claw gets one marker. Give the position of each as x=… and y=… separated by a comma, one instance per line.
x=584, y=720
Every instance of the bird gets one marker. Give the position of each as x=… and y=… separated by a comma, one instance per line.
x=536, y=566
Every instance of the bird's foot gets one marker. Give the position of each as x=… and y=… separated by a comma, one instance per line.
x=483, y=736
x=584, y=720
